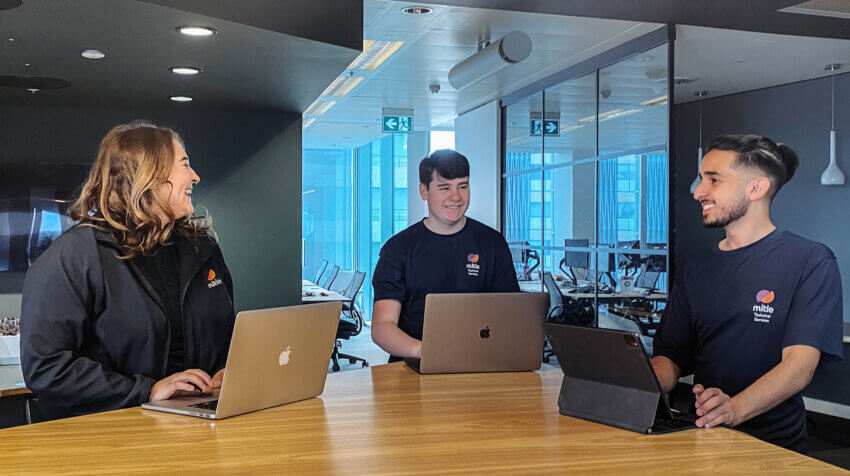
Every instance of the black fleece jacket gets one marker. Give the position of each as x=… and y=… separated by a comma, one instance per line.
x=94, y=333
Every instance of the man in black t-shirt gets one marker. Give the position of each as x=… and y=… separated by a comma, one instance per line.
x=752, y=319
x=444, y=253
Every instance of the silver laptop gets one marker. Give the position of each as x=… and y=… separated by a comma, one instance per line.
x=482, y=332
x=276, y=356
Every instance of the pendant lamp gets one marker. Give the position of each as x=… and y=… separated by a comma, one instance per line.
x=696, y=181
x=832, y=175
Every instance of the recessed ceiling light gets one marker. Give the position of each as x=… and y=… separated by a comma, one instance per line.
x=181, y=98
x=417, y=10
x=27, y=64
x=93, y=54
x=184, y=70
x=196, y=30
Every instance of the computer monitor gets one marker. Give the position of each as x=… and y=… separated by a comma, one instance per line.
x=576, y=259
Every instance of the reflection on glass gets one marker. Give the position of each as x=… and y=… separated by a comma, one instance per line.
x=628, y=216
x=569, y=204
x=529, y=267
x=523, y=149
x=633, y=103
x=524, y=208
x=573, y=105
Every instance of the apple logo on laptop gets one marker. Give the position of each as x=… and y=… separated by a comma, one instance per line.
x=283, y=359
x=485, y=333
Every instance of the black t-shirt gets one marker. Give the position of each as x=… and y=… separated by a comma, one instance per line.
x=732, y=312
x=416, y=262
x=162, y=270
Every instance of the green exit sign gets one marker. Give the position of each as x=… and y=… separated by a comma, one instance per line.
x=397, y=123
x=547, y=127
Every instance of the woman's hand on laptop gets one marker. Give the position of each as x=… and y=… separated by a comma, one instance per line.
x=217, y=379
x=188, y=382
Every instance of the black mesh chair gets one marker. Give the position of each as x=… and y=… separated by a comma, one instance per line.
x=329, y=277
x=556, y=308
x=341, y=282
x=322, y=268
x=350, y=322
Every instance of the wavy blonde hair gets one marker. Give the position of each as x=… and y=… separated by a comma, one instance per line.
x=120, y=195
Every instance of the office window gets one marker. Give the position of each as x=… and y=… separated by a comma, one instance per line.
x=353, y=201
x=327, y=209
x=442, y=140
x=585, y=180
x=381, y=203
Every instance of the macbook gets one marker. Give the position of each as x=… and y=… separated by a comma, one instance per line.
x=276, y=356
x=482, y=332
x=608, y=379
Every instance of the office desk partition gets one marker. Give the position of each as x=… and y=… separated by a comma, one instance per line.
x=389, y=419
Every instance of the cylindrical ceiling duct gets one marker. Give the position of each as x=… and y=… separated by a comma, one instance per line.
x=510, y=49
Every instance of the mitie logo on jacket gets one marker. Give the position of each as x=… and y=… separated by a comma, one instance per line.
x=212, y=281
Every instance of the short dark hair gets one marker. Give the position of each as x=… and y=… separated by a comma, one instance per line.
x=777, y=161
x=448, y=163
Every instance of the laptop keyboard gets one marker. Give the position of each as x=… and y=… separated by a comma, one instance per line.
x=210, y=405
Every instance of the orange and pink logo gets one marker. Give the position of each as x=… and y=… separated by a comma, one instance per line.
x=765, y=297
x=472, y=258
x=211, y=275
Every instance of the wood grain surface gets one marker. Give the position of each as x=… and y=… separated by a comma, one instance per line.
x=390, y=420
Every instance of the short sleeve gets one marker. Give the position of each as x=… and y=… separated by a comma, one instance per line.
x=816, y=315
x=504, y=276
x=388, y=278
x=675, y=336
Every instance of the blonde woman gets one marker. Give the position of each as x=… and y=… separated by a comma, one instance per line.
x=135, y=303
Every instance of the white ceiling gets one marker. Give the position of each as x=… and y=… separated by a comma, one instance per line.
x=722, y=62
x=729, y=61
x=436, y=42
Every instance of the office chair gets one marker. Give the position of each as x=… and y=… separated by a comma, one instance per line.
x=329, y=277
x=350, y=322
x=556, y=307
x=322, y=268
x=574, y=311
x=342, y=280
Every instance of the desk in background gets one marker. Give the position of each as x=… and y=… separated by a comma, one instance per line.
x=537, y=286
x=388, y=419
x=319, y=294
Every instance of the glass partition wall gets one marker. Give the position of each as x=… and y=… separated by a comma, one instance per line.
x=585, y=191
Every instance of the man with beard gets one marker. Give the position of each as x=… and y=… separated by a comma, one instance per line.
x=752, y=319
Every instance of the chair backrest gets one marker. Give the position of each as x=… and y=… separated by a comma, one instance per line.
x=555, y=296
x=343, y=279
x=329, y=278
x=647, y=279
x=322, y=268
x=354, y=285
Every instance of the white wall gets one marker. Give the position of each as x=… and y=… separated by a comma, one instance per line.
x=477, y=137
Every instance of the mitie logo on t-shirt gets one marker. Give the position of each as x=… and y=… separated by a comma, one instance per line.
x=472, y=266
x=212, y=281
x=762, y=312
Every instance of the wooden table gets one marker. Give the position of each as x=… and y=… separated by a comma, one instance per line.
x=319, y=294
x=388, y=419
